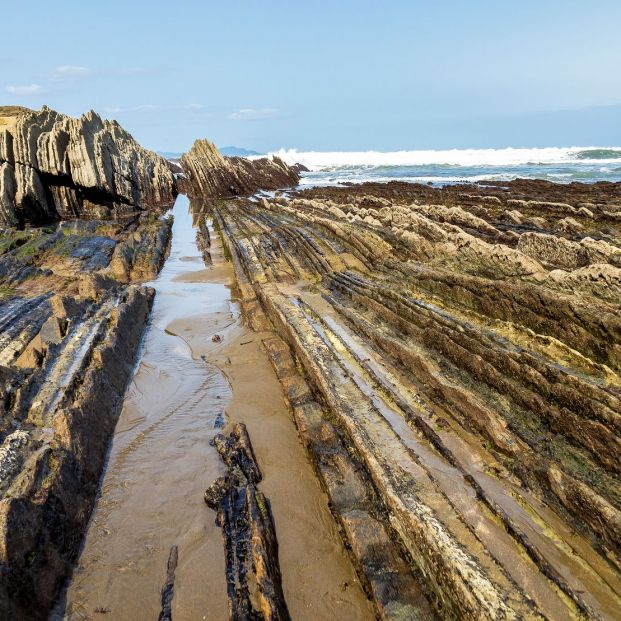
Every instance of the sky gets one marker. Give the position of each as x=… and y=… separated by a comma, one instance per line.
x=332, y=76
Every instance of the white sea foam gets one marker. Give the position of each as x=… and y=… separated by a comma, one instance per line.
x=322, y=160
x=314, y=180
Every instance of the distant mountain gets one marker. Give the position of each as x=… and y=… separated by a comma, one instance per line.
x=170, y=155
x=237, y=151
x=230, y=151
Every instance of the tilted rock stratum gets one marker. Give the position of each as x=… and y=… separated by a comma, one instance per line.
x=461, y=347
x=451, y=357
x=80, y=229
x=53, y=166
x=210, y=174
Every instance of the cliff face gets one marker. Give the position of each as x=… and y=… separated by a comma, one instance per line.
x=209, y=173
x=55, y=167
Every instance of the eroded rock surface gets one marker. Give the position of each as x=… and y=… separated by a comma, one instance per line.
x=251, y=548
x=55, y=167
x=72, y=314
x=211, y=174
x=470, y=369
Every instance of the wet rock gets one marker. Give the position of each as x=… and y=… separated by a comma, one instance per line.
x=169, y=585
x=72, y=404
x=472, y=379
x=251, y=549
x=379, y=563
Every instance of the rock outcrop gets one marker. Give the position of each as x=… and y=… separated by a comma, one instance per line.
x=460, y=346
x=251, y=549
x=210, y=174
x=53, y=167
x=72, y=314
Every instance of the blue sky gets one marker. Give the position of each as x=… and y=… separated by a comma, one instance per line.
x=337, y=75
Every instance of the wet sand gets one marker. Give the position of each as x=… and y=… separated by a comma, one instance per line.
x=186, y=388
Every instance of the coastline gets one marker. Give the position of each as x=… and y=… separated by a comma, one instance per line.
x=443, y=406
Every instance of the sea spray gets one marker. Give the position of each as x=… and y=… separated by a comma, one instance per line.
x=558, y=164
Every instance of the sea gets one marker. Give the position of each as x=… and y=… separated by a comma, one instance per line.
x=557, y=164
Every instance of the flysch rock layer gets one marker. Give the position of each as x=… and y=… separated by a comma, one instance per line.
x=53, y=167
x=210, y=174
x=460, y=393
x=82, y=204
x=72, y=315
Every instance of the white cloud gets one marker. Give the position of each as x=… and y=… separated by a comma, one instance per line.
x=26, y=89
x=253, y=114
x=194, y=106
x=71, y=72
x=144, y=108
x=140, y=108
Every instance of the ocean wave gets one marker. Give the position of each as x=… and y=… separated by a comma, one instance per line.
x=335, y=160
x=329, y=180
x=599, y=154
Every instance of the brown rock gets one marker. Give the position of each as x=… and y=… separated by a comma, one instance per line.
x=30, y=358
x=65, y=307
x=48, y=161
x=92, y=286
x=211, y=174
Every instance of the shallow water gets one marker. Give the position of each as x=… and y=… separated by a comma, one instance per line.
x=186, y=388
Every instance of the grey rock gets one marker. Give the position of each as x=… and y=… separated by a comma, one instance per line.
x=53, y=166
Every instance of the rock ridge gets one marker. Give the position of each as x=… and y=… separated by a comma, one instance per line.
x=208, y=173
x=55, y=167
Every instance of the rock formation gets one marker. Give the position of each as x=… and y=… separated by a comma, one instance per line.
x=451, y=357
x=72, y=314
x=210, y=174
x=55, y=167
x=252, y=570
x=459, y=351
x=81, y=202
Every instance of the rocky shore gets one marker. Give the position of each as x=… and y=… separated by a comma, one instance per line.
x=56, y=167
x=72, y=316
x=209, y=174
x=82, y=204
x=451, y=357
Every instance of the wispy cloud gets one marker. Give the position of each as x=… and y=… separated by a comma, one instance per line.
x=140, y=108
x=194, y=106
x=253, y=114
x=71, y=72
x=26, y=89
x=144, y=108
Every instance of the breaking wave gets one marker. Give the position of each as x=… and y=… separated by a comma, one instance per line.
x=324, y=160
